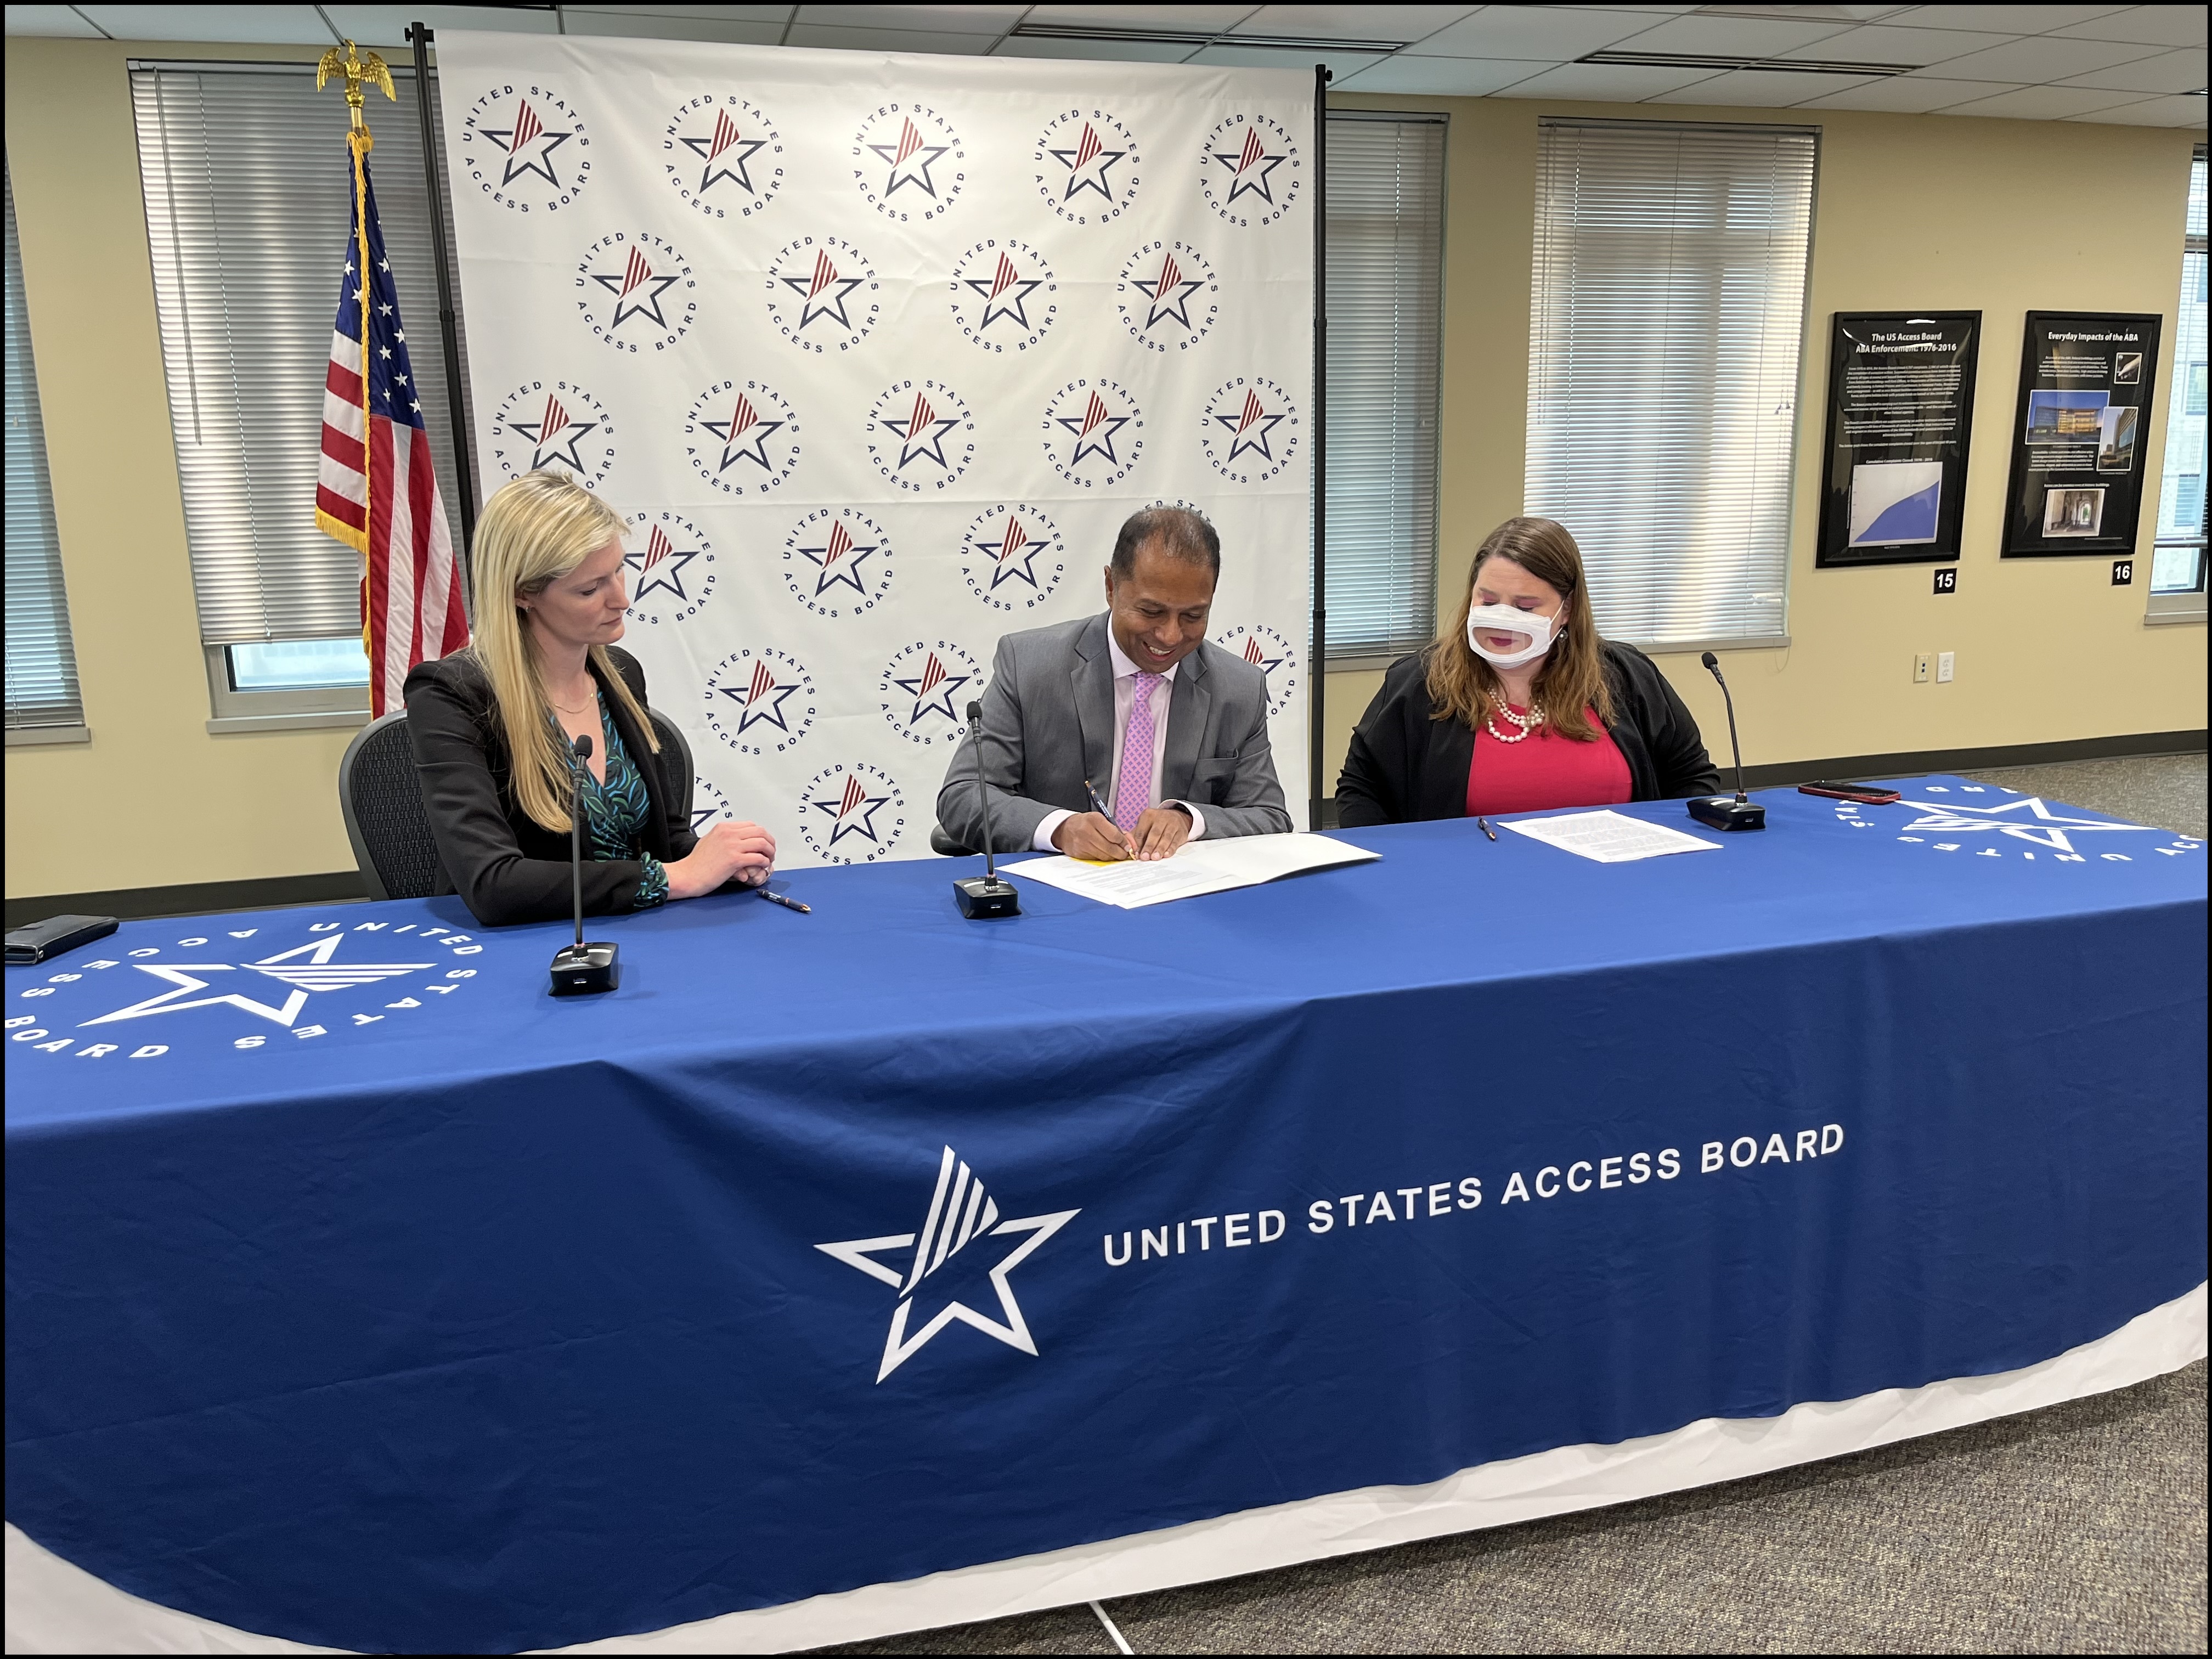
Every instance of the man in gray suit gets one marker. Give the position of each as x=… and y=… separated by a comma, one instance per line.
x=1132, y=712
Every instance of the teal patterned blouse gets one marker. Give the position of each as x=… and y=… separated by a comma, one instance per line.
x=615, y=811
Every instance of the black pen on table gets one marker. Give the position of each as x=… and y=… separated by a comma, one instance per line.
x=1486, y=830
x=787, y=904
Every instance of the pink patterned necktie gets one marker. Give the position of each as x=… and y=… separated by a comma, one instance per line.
x=1134, y=791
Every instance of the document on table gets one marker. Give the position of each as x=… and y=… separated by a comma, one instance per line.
x=1610, y=837
x=1199, y=867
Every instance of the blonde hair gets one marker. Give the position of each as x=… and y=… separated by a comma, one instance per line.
x=533, y=532
x=1571, y=680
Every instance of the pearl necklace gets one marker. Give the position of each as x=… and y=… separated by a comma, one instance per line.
x=1528, y=722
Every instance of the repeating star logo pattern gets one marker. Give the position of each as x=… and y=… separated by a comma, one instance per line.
x=744, y=435
x=2035, y=822
x=840, y=558
x=1250, y=427
x=852, y=810
x=1005, y=294
x=1250, y=166
x=961, y=1215
x=637, y=289
x=761, y=700
x=1094, y=429
x=824, y=291
x=1088, y=163
x=909, y=158
x=724, y=153
x=932, y=690
x=921, y=432
x=1013, y=553
x=529, y=146
x=554, y=434
x=1170, y=292
x=660, y=566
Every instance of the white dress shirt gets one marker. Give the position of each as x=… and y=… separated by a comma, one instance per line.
x=1125, y=698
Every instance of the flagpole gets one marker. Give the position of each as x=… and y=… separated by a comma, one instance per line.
x=420, y=36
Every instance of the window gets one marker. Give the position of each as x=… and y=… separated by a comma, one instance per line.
x=2177, y=566
x=1666, y=313
x=1385, y=241
x=245, y=171
x=43, y=705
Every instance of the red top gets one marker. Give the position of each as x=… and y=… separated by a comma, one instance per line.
x=1545, y=769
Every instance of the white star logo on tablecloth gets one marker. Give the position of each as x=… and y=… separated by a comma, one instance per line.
x=2037, y=823
x=961, y=1215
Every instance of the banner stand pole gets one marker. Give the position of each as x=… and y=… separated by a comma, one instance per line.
x=1317, y=674
x=420, y=36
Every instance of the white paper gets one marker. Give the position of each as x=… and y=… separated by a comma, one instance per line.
x=1199, y=867
x=1610, y=837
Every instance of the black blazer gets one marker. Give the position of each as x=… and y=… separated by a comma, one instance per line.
x=1402, y=766
x=506, y=866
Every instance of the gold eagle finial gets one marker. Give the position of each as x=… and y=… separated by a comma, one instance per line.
x=357, y=67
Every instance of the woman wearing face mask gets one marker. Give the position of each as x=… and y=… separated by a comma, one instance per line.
x=493, y=729
x=1519, y=706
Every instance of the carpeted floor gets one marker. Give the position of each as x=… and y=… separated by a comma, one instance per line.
x=2076, y=1529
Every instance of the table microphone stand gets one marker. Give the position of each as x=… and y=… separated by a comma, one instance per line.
x=581, y=969
x=990, y=894
x=1719, y=812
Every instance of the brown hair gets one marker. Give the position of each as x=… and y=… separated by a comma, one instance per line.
x=1571, y=680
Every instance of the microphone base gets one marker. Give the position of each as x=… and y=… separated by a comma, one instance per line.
x=1727, y=812
x=982, y=897
x=583, y=970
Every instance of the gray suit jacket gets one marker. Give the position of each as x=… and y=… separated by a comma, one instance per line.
x=1049, y=724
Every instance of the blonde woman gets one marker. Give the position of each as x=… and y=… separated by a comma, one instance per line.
x=493, y=730
x=1518, y=706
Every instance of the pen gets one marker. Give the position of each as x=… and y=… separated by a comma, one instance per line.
x=787, y=904
x=1486, y=830
x=1099, y=807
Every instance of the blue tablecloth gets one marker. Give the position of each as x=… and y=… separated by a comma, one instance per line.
x=361, y=1294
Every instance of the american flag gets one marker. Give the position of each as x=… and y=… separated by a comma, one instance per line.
x=376, y=490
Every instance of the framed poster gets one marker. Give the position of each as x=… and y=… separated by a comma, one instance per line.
x=1900, y=415
x=2080, y=437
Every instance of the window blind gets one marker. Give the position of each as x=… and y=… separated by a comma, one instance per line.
x=246, y=182
x=42, y=688
x=1667, y=311
x=2178, y=556
x=1385, y=267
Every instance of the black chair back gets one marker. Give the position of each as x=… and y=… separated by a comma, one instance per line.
x=675, y=768
x=383, y=816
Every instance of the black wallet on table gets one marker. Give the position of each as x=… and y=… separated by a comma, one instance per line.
x=49, y=938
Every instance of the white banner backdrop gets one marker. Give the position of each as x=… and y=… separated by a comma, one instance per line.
x=874, y=354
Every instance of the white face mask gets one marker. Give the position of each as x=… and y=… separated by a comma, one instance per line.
x=1505, y=619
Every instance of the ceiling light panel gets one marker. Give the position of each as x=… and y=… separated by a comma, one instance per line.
x=1555, y=34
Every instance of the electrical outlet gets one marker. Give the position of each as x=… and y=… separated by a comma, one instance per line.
x=1946, y=662
x=1923, y=666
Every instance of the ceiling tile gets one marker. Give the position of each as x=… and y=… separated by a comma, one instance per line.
x=1142, y=17
x=1542, y=33
x=263, y=25
x=385, y=26
x=1906, y=95
x=925, y=20
x=2045, y=103
x=1439, y=77
x=2157, y=26
x=2173, y=71
x=1094, y=51
x=1882, y=45
x=651, y=26
x=1353, y=22
x=1746, y=37
x=843, y=40
x=1340, y=63
x=1604, y=83
x=2043, y=59
x=1765, y=88
x=778, y=16
x=2016, y=20
x=2152, y=112
x=52, y=22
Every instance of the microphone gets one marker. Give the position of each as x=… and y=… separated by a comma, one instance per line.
x=1719, y=812
x=982, y=897
x=581, y=969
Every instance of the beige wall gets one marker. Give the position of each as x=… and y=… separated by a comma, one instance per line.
x=1914, y=211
